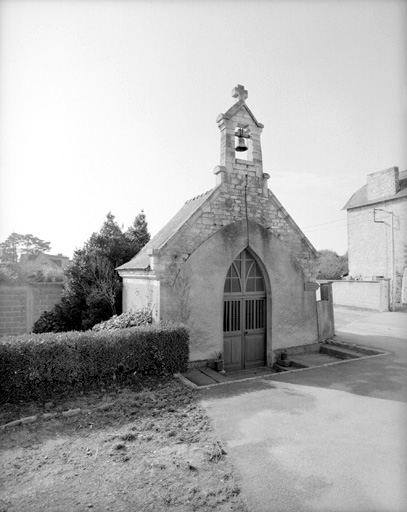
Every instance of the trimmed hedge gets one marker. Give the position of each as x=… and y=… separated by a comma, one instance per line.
x=34, y=366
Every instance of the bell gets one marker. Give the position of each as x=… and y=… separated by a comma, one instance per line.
x=241, y=145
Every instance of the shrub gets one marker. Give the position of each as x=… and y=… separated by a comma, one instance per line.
x=130, y=319
x=52, y=321
x=10, y=273
x=47, y=275
x=37, y=366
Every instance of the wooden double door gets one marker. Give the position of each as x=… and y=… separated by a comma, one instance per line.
x=244, y=315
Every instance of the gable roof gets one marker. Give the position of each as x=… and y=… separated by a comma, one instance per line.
x=359, y=198
x=239, y=105
x=141, y=260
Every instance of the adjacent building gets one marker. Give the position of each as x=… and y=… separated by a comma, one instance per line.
x=31, y=263
x=377, y=228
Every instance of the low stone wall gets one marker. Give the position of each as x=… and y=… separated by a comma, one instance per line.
x=22, y=304
x=362, y=294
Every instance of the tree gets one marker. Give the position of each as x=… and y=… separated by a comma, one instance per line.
x=16, y=244
x=105, y=286
x=138, y=233
x=330, y=265
x=93, y=289
x=111, y=242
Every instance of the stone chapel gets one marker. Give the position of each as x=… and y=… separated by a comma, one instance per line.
x=231, y=264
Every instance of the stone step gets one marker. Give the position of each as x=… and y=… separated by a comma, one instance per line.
x=339, y=352
x=280, y=369
x=198, y=378
x=218, y=377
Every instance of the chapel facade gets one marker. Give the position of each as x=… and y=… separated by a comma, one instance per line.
x=231, y=264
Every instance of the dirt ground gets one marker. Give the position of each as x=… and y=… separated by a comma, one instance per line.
x=151, y=449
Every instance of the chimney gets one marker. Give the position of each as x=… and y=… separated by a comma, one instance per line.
x=383, y=184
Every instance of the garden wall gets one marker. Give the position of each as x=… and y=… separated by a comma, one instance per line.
x=362, y=294
x=22, y=304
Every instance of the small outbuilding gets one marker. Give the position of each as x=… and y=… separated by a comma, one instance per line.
x=232, y=264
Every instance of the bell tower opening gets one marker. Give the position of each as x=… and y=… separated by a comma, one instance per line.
x=243, y=144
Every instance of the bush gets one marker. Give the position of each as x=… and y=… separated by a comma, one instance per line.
x=50, y=321
x=130, y=319
x=10, y=273
x=47, y=275
x=38, y=366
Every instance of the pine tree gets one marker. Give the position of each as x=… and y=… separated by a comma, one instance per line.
x=138, y=233
x=16, y=244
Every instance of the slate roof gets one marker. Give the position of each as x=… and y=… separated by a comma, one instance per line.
x=359, y=198
x=141, y=260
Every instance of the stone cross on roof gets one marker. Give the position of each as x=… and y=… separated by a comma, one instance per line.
x=239, y=92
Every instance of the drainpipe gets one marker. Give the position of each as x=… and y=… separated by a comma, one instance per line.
x=393, y=266
x=393, y=262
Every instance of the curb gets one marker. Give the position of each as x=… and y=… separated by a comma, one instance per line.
x=52, y=415
x=278, y=374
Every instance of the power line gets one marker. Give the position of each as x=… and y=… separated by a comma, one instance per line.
x=367, y=218
x=322, y=223
x=367, y=221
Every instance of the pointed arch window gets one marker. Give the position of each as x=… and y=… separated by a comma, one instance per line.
x=244, y=275
x=233, y=278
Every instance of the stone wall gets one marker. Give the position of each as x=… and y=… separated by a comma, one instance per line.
x=240, y=195
x=22, y=304
x=362, y=294
x=369, y=242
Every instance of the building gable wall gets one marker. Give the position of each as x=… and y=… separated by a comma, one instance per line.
x=369, y=242
x=233, y=199
x=196, y=296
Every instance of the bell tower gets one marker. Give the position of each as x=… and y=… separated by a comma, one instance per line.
x=240, y=147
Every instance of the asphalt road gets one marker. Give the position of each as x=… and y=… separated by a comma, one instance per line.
x=326, y=439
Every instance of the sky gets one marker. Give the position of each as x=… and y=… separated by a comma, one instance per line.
x=111, y=106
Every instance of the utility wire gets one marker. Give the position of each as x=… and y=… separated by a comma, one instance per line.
x=322, y=223
x=337, y=227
